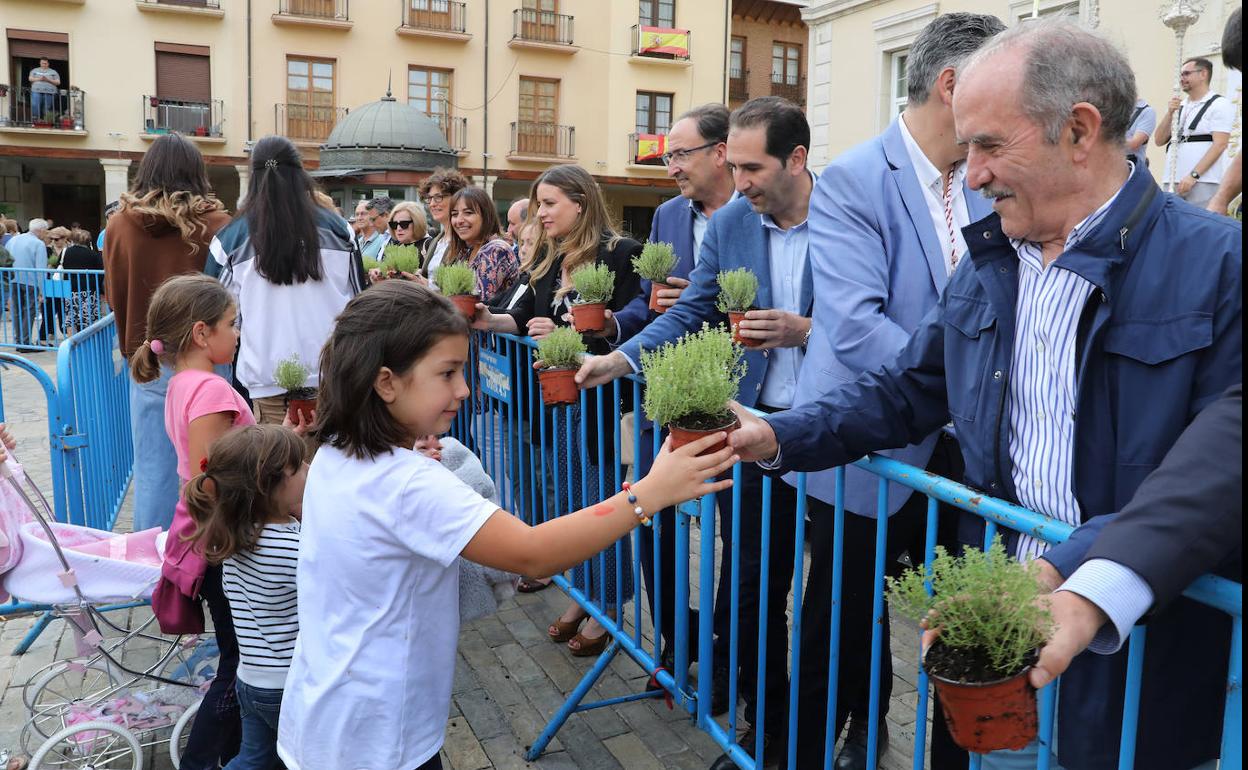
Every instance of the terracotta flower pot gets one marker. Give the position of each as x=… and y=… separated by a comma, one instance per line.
x=991, y=716
x=466, y=304
x=734, y=318
x=297, y=406
x=682, y=436
x=558, y=385
x=589, y=316
x=654, y=296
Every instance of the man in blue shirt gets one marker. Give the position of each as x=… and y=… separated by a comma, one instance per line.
x=30, y=261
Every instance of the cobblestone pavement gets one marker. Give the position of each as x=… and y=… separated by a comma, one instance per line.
x=509, y=678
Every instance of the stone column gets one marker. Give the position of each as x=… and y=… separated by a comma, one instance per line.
x=244, y=180
x=116, y=177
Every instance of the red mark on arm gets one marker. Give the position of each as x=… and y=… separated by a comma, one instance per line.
x=603, y=509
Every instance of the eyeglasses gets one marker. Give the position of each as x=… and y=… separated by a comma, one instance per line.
x=680, y=156
x=436, y=198
x=400, y=224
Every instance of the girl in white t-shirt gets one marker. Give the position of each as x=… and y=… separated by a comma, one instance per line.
x=369, y=686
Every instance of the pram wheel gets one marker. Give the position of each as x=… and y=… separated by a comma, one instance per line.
x=181, y=734
x=62, y=685
x=92, y=745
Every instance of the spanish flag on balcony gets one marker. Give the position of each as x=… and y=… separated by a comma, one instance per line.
x=664, y=40
x=650, y=146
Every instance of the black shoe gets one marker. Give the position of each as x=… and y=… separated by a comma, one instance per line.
x=719, y=692
x=773, y=752
x=30, y=350
x=853, y=754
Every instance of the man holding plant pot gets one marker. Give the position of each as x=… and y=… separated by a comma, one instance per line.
x=764, y=230
x=1070, y=350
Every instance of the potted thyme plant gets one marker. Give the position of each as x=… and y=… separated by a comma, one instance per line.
x=401, y=258
x=369, y=264
x=737, y=291
x=989, y=627
x=655, y=263
x=457, y=281
x=594, y=285
x=560, y=354
x=291, y=375
x=690, y=382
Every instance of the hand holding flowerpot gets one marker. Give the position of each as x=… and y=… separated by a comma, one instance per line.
x=655, y=264
x=292, y=376
x=457, y=281
x=690, y=383
x=737, y=291
x=594, y=287
x=558, y=357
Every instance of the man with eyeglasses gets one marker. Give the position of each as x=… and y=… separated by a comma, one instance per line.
x=377, y=211
x=1205, y=121
x=361, y=226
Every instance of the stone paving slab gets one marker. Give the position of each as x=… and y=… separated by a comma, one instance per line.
x=509, y=678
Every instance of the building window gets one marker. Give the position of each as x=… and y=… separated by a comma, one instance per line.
x=658, y=13
x=537, y=129
x=183, y=100
x=736, y=57
x=310, y=98
x=654, y=113
x=1024, y=9
x=900, y=84
x=786, y=64
x=429, y=90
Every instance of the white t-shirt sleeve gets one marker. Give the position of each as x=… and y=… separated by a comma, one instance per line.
x=1221, y=116
x=440, y=513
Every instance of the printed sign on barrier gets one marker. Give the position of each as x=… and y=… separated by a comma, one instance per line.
x=495, y=376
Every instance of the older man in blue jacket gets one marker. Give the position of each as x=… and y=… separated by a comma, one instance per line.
x=1093, y=318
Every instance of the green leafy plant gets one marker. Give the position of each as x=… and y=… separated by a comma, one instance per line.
x=986, y=609
x=737, y=290
x=455, y=279
x=594, y=283
x=691, y=381
x=370, y=264
x=562, y=348
x=655, y=262
x=404, y=258
x=291, y=375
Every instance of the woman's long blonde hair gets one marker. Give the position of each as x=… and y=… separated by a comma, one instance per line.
x=172, y=184
x=593, y=228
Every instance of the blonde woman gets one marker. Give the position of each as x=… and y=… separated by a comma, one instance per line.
x=576, y=230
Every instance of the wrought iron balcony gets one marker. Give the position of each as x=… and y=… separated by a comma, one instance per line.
x=545, y=28
x=646, y=149
x=320, y=10
x=792, y=88
x=175, y=5
x=441, y=18
x=662, y=43
x=542, y=140
x=738, y=85
x=192, y=118
x=63, y=110
x=306, y=123
x=455, y=130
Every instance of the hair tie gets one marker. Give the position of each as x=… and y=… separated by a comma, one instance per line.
x=271, y=163
x=203, y=465
x=157, y=347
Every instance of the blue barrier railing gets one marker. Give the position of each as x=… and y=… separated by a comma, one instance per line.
x=42, y=307
x=546, y=461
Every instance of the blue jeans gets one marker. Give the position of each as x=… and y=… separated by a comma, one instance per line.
x=156, y=481
x=41, y=104
x=260, y=709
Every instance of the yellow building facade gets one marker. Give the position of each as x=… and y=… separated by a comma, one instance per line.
x=516, y=85
x=858, y=50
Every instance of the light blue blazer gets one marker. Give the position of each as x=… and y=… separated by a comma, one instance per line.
x=878, y=267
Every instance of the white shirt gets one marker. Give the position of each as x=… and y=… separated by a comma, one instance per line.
x=933, y=184
x=1042, y=386
x=369, y=687
x=435, y=259
x=1219, y=117
x=700, y=221
x=787, y=267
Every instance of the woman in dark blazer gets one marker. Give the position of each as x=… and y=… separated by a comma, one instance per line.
x=575, y=231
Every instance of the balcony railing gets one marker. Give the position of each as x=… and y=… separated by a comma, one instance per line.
x=306, y=123
x=661, y=42
x=434, y=16
x=64, y=110
x=646, y=149
x=161, y=116
x=455, y=130
x=213, y=4
x=534, y=26
x=547, y=140
x=792, y=88
x=332, y=10
x=738, y=85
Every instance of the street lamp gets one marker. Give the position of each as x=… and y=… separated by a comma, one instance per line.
x=1178, y=16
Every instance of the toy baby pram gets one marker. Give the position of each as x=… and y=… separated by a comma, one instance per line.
x=126, y=690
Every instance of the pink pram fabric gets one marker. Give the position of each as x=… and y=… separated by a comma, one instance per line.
x=106, y=566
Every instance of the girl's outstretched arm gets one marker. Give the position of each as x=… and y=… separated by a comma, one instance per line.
x=507, y=543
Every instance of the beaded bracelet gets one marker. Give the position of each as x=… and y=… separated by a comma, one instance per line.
x=637, y=509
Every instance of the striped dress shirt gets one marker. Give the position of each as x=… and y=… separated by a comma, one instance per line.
x=1043, y=389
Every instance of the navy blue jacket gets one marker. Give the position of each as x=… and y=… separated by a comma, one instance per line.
x=1158, y=340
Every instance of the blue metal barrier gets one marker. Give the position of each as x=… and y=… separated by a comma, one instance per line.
x=516, y=439
x=42, y=307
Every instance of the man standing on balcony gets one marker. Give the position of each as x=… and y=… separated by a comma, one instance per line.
x=697, y=159
x=1070, y=349
x=44, y=83
x=765, y=231
x=886, y=225
x=30, y=264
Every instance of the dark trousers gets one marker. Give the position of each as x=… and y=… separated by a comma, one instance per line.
x=53, y=318
x=25, y=306
x=217, y=730
x=906, y=533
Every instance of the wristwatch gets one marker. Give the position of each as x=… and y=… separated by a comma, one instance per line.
x=806, y=339
x=1195, y=175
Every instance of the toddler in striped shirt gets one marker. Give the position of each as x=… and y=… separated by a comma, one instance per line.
x=246, y=505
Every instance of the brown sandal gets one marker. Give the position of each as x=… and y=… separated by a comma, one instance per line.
x=561, y=631
x=533, y=585
x=589, y=648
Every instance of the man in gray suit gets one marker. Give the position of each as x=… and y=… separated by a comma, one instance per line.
x=885, y=235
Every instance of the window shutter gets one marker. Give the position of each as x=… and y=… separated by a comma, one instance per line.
x=30, y=44
x=183, y=76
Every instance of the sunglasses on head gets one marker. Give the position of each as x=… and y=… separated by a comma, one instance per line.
x=400, y=224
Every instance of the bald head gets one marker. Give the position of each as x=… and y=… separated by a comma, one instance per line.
x=516, y=215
